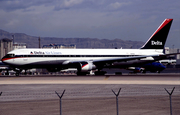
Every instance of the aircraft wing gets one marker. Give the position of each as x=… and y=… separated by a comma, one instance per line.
x=156, y=57
x=111, y=60
x=121, y=59
x=164, y=56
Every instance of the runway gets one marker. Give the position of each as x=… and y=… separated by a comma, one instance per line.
x=163, y=79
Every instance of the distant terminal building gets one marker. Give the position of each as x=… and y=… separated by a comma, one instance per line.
x=59, y=46
x=19, y=45
x=167, y=50
x=6, y=45
x=173, y=59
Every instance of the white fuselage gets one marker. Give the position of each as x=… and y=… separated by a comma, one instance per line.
x=63, y=56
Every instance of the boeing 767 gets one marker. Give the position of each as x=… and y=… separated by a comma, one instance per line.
x=86, y=60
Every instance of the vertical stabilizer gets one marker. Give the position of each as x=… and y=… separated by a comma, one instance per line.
x=158, y=39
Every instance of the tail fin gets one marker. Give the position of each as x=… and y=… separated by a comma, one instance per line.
x=158, y=39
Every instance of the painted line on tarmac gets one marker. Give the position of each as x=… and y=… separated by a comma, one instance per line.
x=9, y=79
x=107, y=77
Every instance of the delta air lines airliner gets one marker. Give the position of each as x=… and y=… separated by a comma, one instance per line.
x=86, y=60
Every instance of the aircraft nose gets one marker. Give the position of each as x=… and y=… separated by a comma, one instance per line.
x=3, y=59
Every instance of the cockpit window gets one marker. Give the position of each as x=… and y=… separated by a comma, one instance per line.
x=9, y=56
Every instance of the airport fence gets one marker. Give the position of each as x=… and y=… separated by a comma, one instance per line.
x=144, y=100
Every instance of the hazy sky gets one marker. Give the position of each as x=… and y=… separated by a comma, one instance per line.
x=123, y=19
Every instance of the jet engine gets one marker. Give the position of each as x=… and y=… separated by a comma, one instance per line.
x=86, y=67
x=136, y=69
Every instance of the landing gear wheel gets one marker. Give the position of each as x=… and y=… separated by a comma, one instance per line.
x=100, y=72
x=7, y=73
x=118, y=73
x=144, y=71
x=25, y=72
x=81, y=73
x=18, y=71
x=17, y=74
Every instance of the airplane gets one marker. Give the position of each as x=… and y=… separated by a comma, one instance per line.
x=86, y=60
x=155, y=67
x=168, y=62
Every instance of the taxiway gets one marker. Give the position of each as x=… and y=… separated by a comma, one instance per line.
x=165, y=79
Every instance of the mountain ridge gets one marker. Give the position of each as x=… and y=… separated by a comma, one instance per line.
x=32, y=41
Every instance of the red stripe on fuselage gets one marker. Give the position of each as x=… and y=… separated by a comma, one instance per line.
x=163, y=24
x=4, y=59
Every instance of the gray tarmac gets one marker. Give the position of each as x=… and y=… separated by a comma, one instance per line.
x=163, y=78
x=141, y=94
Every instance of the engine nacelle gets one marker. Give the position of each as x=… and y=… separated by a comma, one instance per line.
x=136, y=69
x=86, y=67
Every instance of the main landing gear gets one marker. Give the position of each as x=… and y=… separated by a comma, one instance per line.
x=81, y=73
x=18, y=71
x=100, y=72
x=91, y=73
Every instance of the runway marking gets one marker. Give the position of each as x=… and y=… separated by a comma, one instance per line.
x=12, y=78
x=106, y=78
